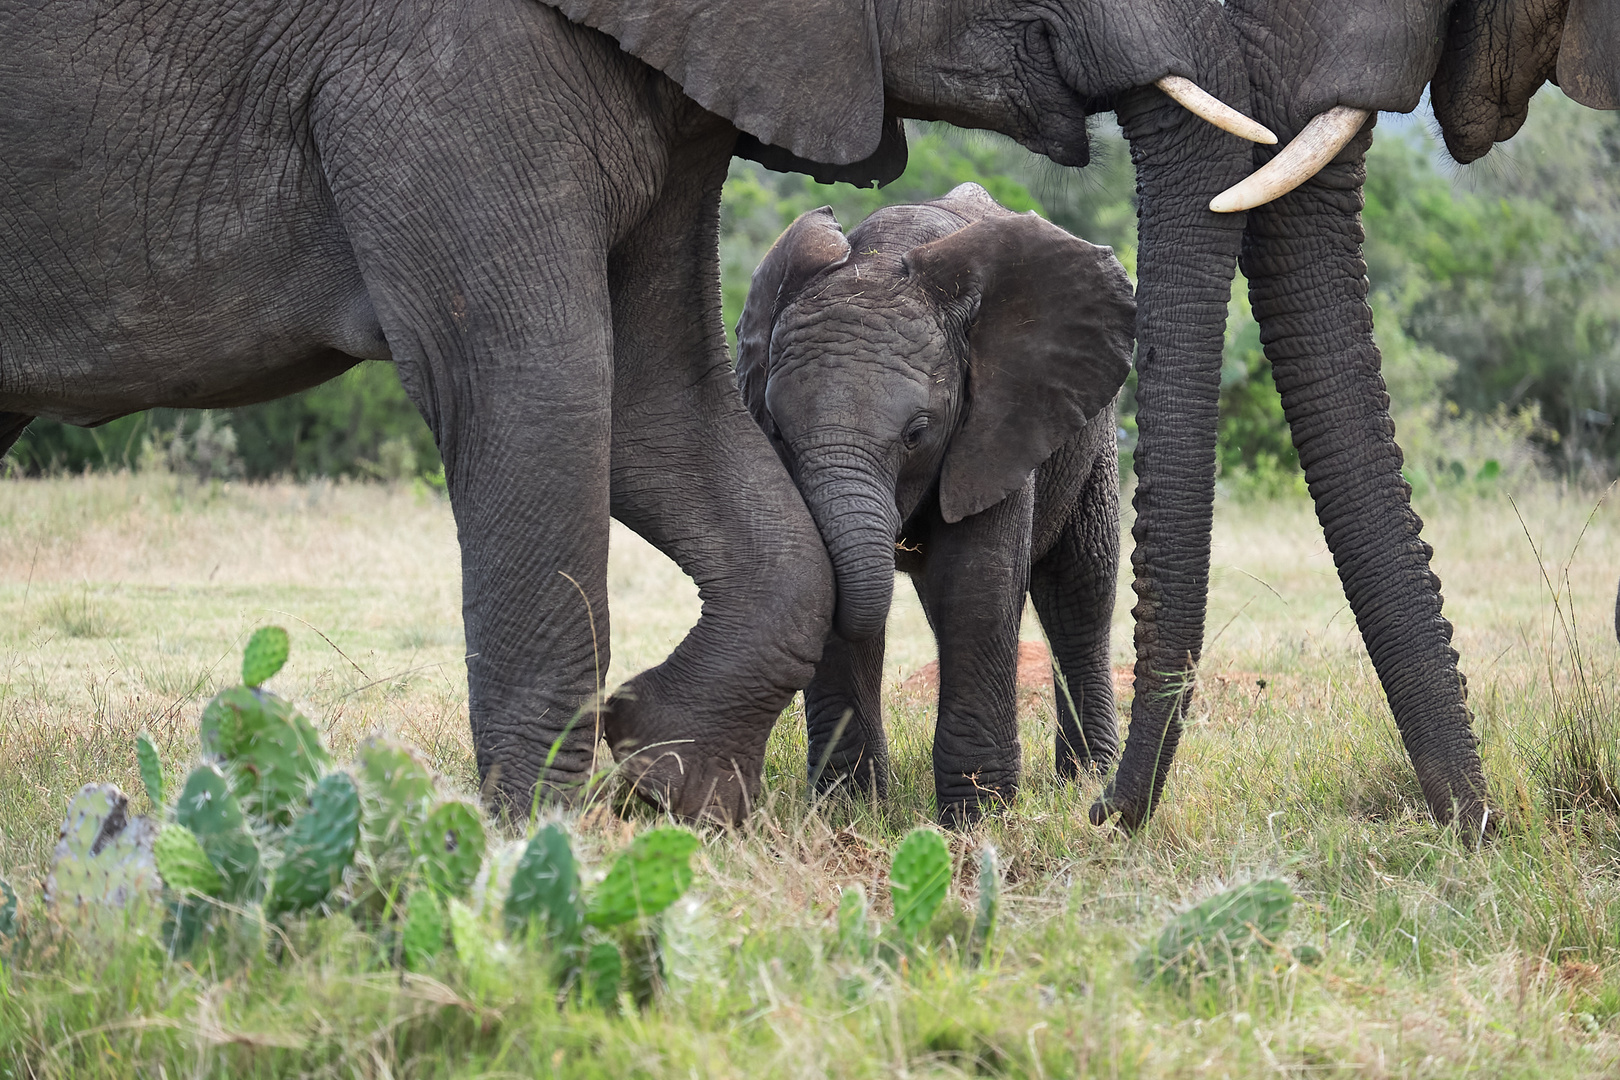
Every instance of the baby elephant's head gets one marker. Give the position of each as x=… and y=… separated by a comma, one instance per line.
x=949, y=346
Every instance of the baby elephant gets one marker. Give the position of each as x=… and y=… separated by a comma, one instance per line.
x=940, y=386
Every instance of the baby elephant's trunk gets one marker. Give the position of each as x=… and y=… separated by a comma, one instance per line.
x=858, y=523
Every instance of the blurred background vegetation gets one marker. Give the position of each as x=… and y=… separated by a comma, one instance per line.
x=1496, y=290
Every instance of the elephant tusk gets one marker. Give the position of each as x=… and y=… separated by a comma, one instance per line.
x=1205, y=105
x=1301, y=159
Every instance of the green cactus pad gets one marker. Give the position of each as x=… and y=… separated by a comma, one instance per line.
x=918, y=877
x=1219, y=932
x=984, y=920
x=265, y=654
x=854, y=935
x=650, y=875
x=184, y=864
x=151, y=763
x=8, y=910
x=207, y=807
x=449, y=846
x=103, y=858
x=319, y=847
x=603, y=970
x=423, y=936
x=545, y=887
x=272, y=751
x=394, y=783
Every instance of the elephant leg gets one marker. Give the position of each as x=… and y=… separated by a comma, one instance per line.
x=693, y=474
x=843, y=711
x=12, y=426
x=973, y=588
x=1072, y=587
x=1308, y=282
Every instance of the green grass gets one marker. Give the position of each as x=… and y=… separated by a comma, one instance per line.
x=1438, y=960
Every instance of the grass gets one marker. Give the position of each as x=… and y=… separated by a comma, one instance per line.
x=1438, y=960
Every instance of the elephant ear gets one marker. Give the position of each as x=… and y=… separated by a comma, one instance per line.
x=1589, y=56
x=813, y=243
x=1053, y=321
x=806, y=77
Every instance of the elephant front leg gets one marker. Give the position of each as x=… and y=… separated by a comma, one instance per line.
x=693, y=474
x=843, y=712
x=1072, y=587
x=973, y=587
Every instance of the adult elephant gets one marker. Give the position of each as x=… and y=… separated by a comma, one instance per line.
x=211, y=204
x=1318, y=73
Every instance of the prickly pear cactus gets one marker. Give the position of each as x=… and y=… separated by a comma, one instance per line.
x=8, y=910
x=449, y=847
x=265, y=654
x=319, y=847
x=545, y=888
x=396, y=788
x=984, y=920
x=1220, y=932
x=151, y=763
x=271, y=750
x=854, y=935
x=211, y=812
x=103, y=858
x=184, y=864
x=423, y=936
x=603, y=970
x=918, y=876
x=647, y=877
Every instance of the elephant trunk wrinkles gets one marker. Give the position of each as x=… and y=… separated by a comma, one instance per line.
x=1308, y=284
x=1185, y=263
x=858, y=520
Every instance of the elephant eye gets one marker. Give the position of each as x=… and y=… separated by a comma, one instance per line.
x=915, y=431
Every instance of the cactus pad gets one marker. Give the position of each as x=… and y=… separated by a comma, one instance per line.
x=854, y=937
x=210, y=811
x=271, y=749
x=984, y=920
x=449, y=845
x=265, y=654
x=917, y=879
x=423, y=937
x=604, y=968
x=395, y=790
x=103, y=858
x=319, y=848
x=151, y=763
x=8, y=910
x=1219, y=932
x=545, y=887
x=650, y=875
x=183, y=863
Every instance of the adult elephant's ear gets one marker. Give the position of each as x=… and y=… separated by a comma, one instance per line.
x=1053, y=319
x=813, y=243
x=804, y=76
x=1589, y=54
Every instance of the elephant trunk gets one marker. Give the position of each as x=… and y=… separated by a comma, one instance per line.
x=1186, y=257
x=1308, y=284
x=856, y=514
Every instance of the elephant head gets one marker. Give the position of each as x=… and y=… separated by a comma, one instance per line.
x=946, y=348
x=1318, y=73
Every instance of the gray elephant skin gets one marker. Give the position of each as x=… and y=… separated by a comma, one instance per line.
x=517, y=203
x=940, y=385
x=1327, y=69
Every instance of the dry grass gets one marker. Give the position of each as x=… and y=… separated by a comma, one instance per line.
x=123, y=602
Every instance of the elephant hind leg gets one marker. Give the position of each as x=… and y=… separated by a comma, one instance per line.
x=12, y=426
x=1072, y=587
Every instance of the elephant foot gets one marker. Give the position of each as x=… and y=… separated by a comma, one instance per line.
x=1072, y=766
x=682, y=768
x=964, y=813
x=862, y=778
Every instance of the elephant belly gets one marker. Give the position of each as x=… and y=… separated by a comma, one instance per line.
x=166, y=237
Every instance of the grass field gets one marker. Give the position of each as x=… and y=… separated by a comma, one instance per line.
x=124, y=601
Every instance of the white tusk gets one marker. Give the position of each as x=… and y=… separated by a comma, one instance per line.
x=1296, y=163
x=1201, y=103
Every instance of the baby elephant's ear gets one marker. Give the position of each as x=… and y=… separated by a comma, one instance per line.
x=1048, y=347
x=813, y=243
